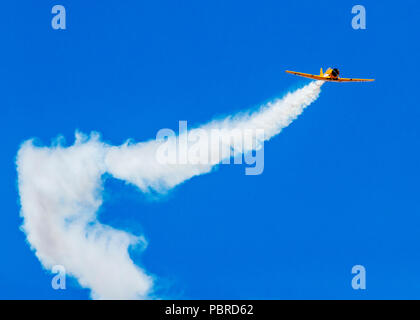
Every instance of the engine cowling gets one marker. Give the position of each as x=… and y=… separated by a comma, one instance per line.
x=335, y=72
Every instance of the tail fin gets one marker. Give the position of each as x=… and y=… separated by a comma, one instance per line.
x=321, y=73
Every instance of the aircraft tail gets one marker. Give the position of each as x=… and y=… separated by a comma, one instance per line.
x=321, y=73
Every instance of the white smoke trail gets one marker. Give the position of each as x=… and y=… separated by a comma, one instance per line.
x=60, y=191
x=137, y=163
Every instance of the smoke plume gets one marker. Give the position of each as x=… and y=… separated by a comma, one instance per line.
x=61, y=188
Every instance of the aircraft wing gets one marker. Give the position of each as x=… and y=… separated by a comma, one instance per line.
x=353, y=80
x=307, y=75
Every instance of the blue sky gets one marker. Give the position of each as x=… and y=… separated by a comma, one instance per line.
x=340, y=184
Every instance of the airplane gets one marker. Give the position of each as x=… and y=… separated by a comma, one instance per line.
x=329, y=75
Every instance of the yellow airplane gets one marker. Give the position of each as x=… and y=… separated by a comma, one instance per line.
x=329, y=75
